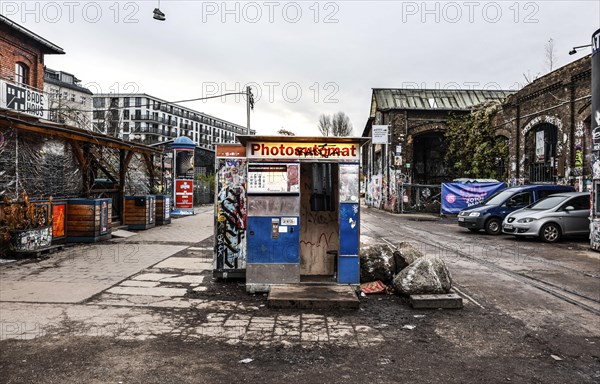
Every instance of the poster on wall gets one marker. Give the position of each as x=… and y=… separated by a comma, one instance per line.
x=539, y=146
x=273, y=178
x=184, y=194
x=349, y=180
x=58, y=220
x=104, y=217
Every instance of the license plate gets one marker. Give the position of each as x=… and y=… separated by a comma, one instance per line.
x=508, y=226
x=461, y=219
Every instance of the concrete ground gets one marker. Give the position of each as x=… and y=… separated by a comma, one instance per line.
x=145, y=309
x=115, y=288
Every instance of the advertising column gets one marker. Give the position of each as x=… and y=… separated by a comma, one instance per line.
x=183, y=175
x=595, y=206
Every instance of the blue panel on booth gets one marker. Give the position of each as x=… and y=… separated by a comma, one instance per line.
x=269, y=242
x=349, y=226
x=349, y=271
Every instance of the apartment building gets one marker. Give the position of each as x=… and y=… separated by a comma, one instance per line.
x=68, y=102
x=149, y=120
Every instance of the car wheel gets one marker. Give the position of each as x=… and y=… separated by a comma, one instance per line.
x=473, y=229
x=550, y=233
x=493, y=226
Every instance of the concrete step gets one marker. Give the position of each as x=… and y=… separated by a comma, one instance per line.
x=445, y=301
x=312, y=296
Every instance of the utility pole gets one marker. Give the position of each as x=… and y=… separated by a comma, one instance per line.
x=249, y=105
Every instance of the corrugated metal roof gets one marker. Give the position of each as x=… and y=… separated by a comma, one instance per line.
x=430, y=99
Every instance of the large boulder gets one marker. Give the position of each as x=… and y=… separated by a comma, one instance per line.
x=426, y=275
x=404, y=255
x=377, y=263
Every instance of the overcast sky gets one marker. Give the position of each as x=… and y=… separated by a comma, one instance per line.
x=303, y=58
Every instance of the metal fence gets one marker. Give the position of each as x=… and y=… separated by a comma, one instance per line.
x=203, y=193
x=424, y=198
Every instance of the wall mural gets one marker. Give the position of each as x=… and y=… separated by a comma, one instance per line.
x=230, y=242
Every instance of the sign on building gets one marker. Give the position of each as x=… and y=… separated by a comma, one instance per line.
x=23, y=99
x=380, y=134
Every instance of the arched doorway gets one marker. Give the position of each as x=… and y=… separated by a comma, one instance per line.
x=429, y=150
x=541, y=153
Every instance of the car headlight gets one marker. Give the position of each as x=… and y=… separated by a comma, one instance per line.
x=526, y=220
x=474, y=214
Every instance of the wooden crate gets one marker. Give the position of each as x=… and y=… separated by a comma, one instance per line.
x=163, y=210
x=88, y=220
x=139, y=212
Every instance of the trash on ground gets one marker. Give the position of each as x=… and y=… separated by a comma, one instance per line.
x=246, y=361
x=408, y=326
x=373, y=287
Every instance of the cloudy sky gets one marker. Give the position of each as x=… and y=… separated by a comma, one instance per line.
x=304, y=58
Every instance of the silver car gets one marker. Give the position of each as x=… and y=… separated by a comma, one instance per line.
x=551, y=218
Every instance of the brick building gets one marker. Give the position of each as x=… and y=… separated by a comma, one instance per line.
x=416, y=149
x=548, y=125
x=22, y=55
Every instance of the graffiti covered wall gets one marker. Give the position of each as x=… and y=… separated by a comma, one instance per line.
x=231, y=215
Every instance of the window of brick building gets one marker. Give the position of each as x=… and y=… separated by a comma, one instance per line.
x=21, y=73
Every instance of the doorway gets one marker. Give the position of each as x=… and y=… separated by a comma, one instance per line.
x=319, y=220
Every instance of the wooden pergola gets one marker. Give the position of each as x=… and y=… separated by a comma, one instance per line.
x=81, y=141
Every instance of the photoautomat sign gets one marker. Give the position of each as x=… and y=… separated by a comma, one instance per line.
x=268, y=150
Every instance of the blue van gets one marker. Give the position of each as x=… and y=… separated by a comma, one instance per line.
x=489, y=214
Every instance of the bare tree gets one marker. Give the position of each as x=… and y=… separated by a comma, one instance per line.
x=285, y=132
x=530, y=78
x=550, y=54
x=340, y=125
x=325, y=124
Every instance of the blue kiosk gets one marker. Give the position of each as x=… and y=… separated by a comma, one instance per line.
x=288, y=211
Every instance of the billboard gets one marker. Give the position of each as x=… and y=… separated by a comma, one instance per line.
x=184, y=163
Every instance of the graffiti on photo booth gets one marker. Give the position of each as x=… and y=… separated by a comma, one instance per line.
x=231, y=214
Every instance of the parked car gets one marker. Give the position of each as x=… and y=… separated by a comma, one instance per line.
x=551, y=218
x=489, y=214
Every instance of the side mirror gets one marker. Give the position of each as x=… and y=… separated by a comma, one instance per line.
x=510, y=203
x=569, y=208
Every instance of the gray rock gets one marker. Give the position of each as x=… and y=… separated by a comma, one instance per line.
x=377, y=263
x=404, y=255
x=426, y=275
